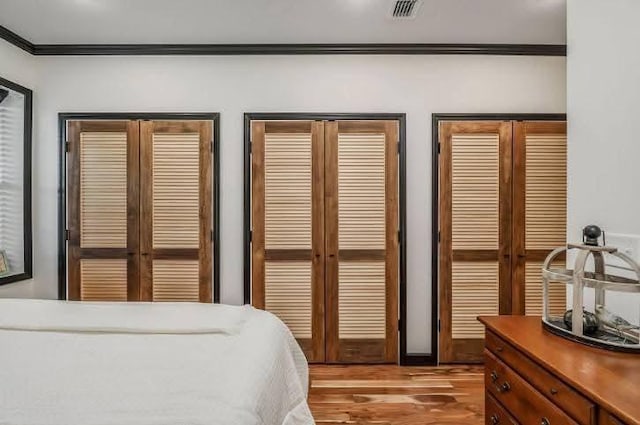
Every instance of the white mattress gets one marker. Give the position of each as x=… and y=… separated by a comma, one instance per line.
x=65, y=363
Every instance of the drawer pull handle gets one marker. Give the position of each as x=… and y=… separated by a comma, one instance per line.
x=505, y=387
x=494, y=376
x=495, y=420
x=499, y=349
x=545, y=421
x=554, y=391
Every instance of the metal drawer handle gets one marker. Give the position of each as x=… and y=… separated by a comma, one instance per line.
x=499, y=349
x=495, y=420
x=494, y=376
x=505, y=387
x=553, y=391
x=545, y=421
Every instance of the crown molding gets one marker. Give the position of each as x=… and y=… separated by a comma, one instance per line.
x=301, y=49
x=13, y=38
x=282, y=49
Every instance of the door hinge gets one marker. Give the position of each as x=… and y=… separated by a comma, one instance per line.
x=399, y=148
x=66, y=235
x=250, y=236
x=212, y=146
x=438, y=325
x=399, y=236
x=439, y=147
x=399, y=324
x=438, y=236
x=67, y=147
x=250, y=147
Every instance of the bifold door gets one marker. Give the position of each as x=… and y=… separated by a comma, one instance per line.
x=288, y=227
x=502, y=209
x=139, y=210
x=324, y=234
x=539, y=211
x=361, y=195
x=103, y=210
x=475, y=228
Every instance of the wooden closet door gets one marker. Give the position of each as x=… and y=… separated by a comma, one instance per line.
x=288, y=227
x=539, y=211
x=475, y=233
x=103, y=216
x=361, y=212
x=176, y=210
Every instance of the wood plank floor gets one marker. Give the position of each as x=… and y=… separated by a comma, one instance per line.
x=394, y=395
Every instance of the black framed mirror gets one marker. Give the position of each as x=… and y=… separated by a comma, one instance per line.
x=15, y=182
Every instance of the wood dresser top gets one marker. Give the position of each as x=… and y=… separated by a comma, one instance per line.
x=610, y=379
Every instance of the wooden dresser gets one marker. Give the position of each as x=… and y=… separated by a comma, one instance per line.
x=533, y=377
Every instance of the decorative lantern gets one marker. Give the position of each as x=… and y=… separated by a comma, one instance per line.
x=591, y=320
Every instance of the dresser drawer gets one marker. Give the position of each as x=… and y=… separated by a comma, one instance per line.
x=494, y=414
x=572, y=402
x=522, y=400
x=607, y=419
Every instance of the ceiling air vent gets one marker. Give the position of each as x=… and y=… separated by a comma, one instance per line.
x=405, y=9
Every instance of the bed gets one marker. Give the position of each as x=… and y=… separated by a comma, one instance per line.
x=70, y=363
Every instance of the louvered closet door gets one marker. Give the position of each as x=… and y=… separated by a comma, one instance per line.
x=539, y=211
x=475, y=221
x=176, y=210
x=361, y=196
x=103, y=209
x=288, y=227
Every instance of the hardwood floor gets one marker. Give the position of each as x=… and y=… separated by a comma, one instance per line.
x=394, y=395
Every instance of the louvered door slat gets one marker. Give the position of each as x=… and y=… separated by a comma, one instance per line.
x=287, y=183
x=475, y=191
x=361, y=191
x=475, y=292
x=546, y=191
x=288, y=295
x=176, y=280
x=362, y=300
x=176, y=202
x=103, y=280
x=103, y=190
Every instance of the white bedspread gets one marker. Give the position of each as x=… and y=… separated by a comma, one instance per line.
x=65, y=363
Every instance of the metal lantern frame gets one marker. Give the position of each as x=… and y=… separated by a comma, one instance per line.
x=581, y=279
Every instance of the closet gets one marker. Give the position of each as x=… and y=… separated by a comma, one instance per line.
x=324, y=244
x=139, y=210
x=502, y=209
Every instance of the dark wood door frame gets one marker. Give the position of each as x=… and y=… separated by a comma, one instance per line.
x=405, y=358
x=64, y=117
x=435, y=196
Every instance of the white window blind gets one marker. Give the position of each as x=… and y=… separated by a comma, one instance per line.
x=12, y=109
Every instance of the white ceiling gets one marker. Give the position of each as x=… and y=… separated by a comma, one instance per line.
x=283, y=21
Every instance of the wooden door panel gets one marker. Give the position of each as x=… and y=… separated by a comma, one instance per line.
x=288, y=227
x=475, y=203
x=361, y=190
x=103, y=279
x=176, y=210
x=539, y=210
x=103, y=204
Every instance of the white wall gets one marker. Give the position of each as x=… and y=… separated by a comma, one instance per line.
x=21, y=68
x=417, y=85
x=603, y=107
